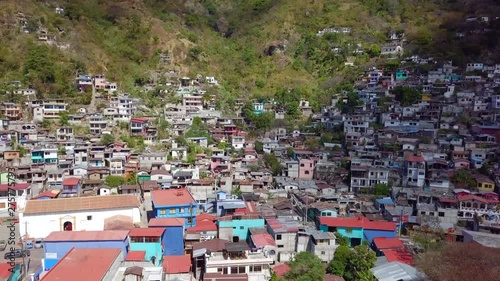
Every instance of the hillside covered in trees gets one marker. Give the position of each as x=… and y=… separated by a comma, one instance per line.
x=253, y=47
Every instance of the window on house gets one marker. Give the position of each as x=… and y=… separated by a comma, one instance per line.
x=171, y=211
x=234, y=270
x=163, y=211
x=431, y=214
x=281, y=246
x=242, y=227
x=89, y=218
x=181, y=210
x=257, y=268
x=441, y=214
x=307, y=172
x=190, y=220
x=278, y=237
x=323, y=252
x=241, y=269
x=190, y=209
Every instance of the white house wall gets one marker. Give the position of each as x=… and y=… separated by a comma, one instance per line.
x=41, y=225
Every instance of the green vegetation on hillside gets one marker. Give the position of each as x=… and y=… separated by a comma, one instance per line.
x=253, y=47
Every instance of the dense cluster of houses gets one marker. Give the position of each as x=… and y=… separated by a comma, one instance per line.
x=227, y=213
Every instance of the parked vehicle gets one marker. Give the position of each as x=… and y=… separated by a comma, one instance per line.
x=17, y=254
x=38, y=243
x=28, y=244
x=3, y=245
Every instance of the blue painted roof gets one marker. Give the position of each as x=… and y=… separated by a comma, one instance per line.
x=385, y=201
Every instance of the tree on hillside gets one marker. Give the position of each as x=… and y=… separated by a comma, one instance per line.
x=114, y=181
x=463, y=176
x=338, y=265
x=197, y=129
x=305, y=267
x=259, y=147
x=273, y=163
x=382, y=189
x=461, y=261
x=349, y=106
x=289, y=100
x=64, y=119
x=107, y=139
x=406, y=95
x=353, y=264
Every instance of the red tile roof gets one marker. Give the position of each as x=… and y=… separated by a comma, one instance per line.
x=17, y=186
x=169, y=197
x=203, y=226
x=48, y=193
x=205, y=216
x=166, y=222
x=472, y=197
x=146, y=232
x=105, y=235
x=177, y=264
x=136, y=256
x=415, y=159
x=263, y=239
x=71, y=181
x=4, y=270
x=387, y=243
x=138, y=120
x=359, y=222
x=398, y=255
x=64, y=205
x=281, y=270
x=83, y=265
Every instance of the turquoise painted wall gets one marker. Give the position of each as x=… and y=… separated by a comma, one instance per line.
x=16, y=274
x=351, y=232
x=152, y=250
x=240, y=227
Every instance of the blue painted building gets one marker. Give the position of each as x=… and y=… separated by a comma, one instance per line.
x=258, y=107
x=175, y=203
x=45, y=155
x=240, y=224
x=71, y=186
x=358, y=229
x=229, y=207
x=59, y=243
x=148, y=240
x=173, y=237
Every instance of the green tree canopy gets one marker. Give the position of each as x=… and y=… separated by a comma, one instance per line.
x=273, y=163
x=406, y=95
x=114, y=181
x=382, y=189
x=353, y=264
x=305, y=267
x=197, y=129
x=350, y=105
x=107, y=139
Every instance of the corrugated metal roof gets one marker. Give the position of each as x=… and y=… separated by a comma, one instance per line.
x=395, y=271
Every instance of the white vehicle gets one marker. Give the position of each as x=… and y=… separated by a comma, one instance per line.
x=38, y=243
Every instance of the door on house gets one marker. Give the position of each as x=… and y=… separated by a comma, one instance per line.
x=68, y=226
x=355, y=242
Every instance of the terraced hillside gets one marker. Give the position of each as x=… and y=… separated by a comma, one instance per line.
x=253, y=47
